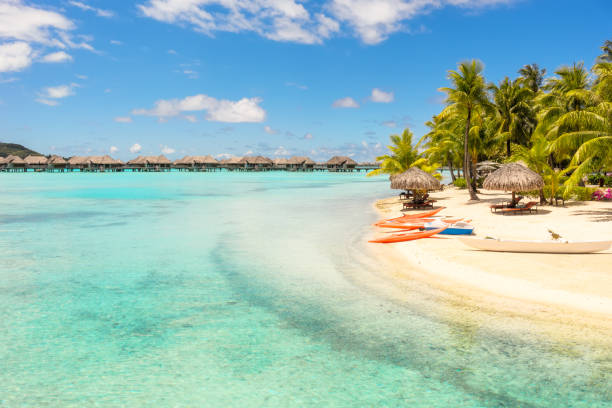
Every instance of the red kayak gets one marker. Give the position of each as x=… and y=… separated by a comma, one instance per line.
x=420, y=223
x=409, y=236
x=407, y=217
x=421, y=215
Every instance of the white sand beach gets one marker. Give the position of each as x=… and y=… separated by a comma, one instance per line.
x=560, y=290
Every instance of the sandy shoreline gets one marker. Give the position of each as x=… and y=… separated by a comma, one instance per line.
x=557, y=291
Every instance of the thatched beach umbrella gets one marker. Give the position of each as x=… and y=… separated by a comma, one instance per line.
x=414, y=179
x=513, y=177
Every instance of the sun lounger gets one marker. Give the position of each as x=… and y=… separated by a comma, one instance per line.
x=413, y=205
x=529, y=207
x=505, y=204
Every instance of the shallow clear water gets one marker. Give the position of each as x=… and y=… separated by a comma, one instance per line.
x=226, y=289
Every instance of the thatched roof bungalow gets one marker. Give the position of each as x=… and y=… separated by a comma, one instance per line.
x=14, y=163
x=280, y=163
x=57, y=162
x=256, y=163
x=300, y=163
x=341, y=163
x=35, y=161
x=232, y=163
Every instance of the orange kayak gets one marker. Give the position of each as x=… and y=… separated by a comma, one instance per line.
x=420, y=215
x=409, y=236
x=420, y=223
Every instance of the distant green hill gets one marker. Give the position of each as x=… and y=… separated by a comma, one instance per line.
x=16, y=150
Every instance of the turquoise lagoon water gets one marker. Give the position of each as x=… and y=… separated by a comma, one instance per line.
x=241, y=290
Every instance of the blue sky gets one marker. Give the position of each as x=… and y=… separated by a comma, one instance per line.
x=271, y=77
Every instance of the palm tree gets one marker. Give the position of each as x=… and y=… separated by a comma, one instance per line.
x=515, y=118
x=532, y=76
x=466, y=95
x=444, y=143
x=403, y=155
x=587, y=137
x=536, y=158
x=607, y=52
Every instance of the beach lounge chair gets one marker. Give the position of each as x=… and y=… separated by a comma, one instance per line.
x=505, y=204
x=412, y=205
x=530, y=206
x=404, y=195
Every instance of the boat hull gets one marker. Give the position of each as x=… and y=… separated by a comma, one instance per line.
x=454, y=231
x=537, y=246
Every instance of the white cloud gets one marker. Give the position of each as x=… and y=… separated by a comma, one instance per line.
x=308, y=136
x=8, y=80
x=347, y=102
x=59, y=56
x=87, y=7
x=390, y=123
x=15, y=56
x=28, y=30
x=191, y=118
x=167, y=150
x=113, y=149
x=381, y=96
x=58, y=92
x=123, y=119
x=135, y=148
x=374, y=20
x=279, y=20
x=281, y=151
x=270, y=130
x=48, y=102
x=81, y=76
x=224, y=156
x=107, y=90
x=25, y=23
x=301, y=21
x=171, y=52
x=296, y=85
x=50, y=94
x=243, y=110
x=115, y=42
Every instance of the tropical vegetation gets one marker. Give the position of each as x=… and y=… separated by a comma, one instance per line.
x=559, y=125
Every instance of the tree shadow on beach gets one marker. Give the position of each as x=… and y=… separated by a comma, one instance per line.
x=603, y=215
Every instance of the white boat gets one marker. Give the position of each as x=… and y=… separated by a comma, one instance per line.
x=458, y=228
x=546, y=247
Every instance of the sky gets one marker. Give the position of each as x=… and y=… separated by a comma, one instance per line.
x=270, y=77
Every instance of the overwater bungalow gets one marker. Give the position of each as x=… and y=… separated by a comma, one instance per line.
x=137, y=164
x=341, y=163
x=104, y=163
x=300, y=163
x=37, y=163
x=158, y=163
x=207, y=162
x=186, y=163
x=233, y=163
x=77, y=163
x=257, y=163
x=280, y=163
x=57, y=163
x=14, y=163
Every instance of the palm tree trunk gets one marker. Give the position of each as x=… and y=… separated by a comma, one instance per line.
x=508, y=152
x=450, y=168
x=466, y=158
x=542, y=198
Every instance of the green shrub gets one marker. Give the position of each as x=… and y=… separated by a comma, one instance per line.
x=594, y=179
x=460, y=182
x=582, y=193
